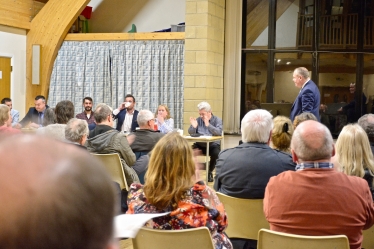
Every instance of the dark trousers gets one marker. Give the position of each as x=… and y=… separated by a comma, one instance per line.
x=214, y=150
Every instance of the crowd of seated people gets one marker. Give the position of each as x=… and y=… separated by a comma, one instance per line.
x=275, y=162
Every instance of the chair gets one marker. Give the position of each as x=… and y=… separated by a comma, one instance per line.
x=368, y=241
x=114, y=167
x=268, y=239
x=170, y=239
x=245, y=216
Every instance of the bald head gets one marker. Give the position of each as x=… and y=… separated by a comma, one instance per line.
x=312, y=141
x=53, y=196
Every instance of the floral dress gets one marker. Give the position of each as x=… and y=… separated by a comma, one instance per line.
x=200, y=207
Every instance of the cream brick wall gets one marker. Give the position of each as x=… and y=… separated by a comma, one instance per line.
x=204, y=55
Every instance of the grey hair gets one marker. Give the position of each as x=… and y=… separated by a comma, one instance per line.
x=102, y=111
x=303, y=72
x=256, y=126
x=304, y=145
x=75, y=129
x=367, y=123
x=204, y=106
x=144, y=116
x=49, y=116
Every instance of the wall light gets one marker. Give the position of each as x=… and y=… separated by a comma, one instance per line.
x=36, y=65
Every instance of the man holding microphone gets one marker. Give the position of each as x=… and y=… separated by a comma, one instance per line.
x=126, y=115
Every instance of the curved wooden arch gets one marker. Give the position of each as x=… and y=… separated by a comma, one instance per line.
x=49, y=28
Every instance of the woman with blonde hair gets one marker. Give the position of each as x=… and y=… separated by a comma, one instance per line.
x=281, y=134
x=164, y=122
x=353, y=154
x=170, y=186
x=6, y=121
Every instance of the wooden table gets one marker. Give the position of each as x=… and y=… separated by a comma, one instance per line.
x=207, y=140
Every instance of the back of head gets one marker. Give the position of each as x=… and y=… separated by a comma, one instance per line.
x=282, y=133
x=54, y=196
x=170, y=171
x=49, y=116
x=303, y=117
x=4, y=114
x=64, y=111
x=312, y=141
x=75, y=129
x=367, y=123
x=353, y=150
x=101, y=112
x=144, y=116
x=256, y=126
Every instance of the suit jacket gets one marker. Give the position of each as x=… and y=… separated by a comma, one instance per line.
x=308, y=100
x=31, y=116
x=121, y=118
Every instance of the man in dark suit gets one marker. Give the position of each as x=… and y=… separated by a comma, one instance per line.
x=308, y=99
x=126, y=115
x=35, y=115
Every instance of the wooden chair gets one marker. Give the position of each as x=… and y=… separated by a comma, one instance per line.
x=114, y=167
x=268, y=239
x=170, y=239
x=368, y=241
x=246, y=216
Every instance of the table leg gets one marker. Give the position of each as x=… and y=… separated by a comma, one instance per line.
x=207, y=163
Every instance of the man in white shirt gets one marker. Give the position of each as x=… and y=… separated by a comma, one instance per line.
x=13, y=113
x=126, y=115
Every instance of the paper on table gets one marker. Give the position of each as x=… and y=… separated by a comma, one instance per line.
x=128, y=225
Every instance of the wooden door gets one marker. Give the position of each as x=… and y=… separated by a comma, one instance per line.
x=5, y=69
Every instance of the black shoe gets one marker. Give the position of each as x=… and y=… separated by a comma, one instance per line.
x=210, y=177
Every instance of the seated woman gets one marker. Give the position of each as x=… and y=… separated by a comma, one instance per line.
x=6, y=121
x=302, y=117
x=353, y=154
x=170, y=186
x=281, y=134
x=163, y=120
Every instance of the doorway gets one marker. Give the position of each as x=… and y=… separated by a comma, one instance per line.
x=5, y=70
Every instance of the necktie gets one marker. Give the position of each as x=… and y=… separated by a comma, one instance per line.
x=40, y=119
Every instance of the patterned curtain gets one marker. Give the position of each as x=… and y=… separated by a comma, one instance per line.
x=152, y=71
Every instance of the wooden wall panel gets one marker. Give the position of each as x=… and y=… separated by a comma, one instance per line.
x=49, y=28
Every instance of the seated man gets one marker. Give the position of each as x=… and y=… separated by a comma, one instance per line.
x=35, y=115
x=13, y=113
x=209, y=125
x=317, y=200
x=367, y=123
x=126, y=115
x=251, y=164
x=56, y=196
x=76, y=132
x=87, y=114
x=104, y=139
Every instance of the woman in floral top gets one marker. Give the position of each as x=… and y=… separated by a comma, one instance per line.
x=170, y=187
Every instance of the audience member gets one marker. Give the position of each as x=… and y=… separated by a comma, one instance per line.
x=353, y=154
x=53, y=196
x=303, y=117
x=49, y=117
x=64, y=112
x=6, y=121
x=106, y=140
x=35, y=115
x=281, y=134
x=308, y=99
x=350, y=108
x=87, y=114
x=367, y=123
x=317, y=200
x=126, y=115
x=76, y=132
x=164, y=121
x=209, y=125
x=13, y=113
x=171, y=187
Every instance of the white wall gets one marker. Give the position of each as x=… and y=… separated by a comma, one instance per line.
x=116, y=16
x=13, y=45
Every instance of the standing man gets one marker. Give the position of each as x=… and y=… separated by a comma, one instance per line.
x=126, y=115
x=317, y=199
x=13, y=113
x=35, y=115
x=308, y=99
x=208, y=125
x=87, y=114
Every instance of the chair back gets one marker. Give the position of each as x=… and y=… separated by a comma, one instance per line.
x=368, y=241
x=169, y=239
x=113, y=165
x=245, y=216
x=268, y=239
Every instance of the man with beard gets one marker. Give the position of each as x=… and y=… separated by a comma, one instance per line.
x=88, y=114
x=126, y=115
